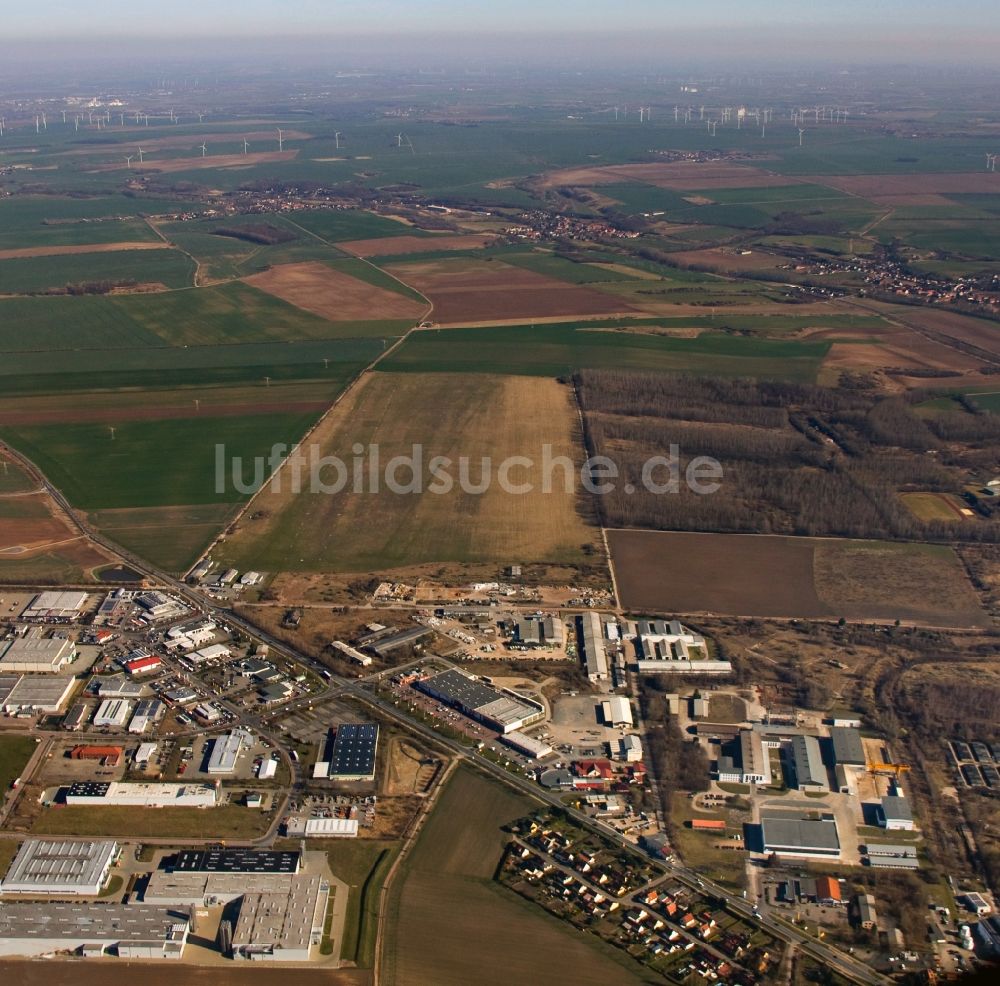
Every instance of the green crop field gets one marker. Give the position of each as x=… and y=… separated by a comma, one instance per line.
x=27, y=275
x=557, y=350
x=562, y=269
x=229, y=821
x=445, y=893
x=15, y=752
x=339, y=225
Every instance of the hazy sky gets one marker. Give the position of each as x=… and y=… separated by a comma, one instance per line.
x=897, y=28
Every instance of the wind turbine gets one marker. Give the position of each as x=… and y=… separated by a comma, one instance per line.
x=128, y=159
x=616, y=114
x=45, y=125
x=111, y=428
x=281, y=140
x=76, y=124
x=801, y=132
x=399, y=140
x=121, y=119
x=676, y=112
x=64, y=116
x=140, y=155
x=37, y=130
x=201, y=116
x=246, y=145
x=204, y=150
x=336, y=138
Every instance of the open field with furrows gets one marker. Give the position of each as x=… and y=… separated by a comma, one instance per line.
x=38, y=543
x=477, y=290
x=442, y=415
x=13, y=479
x=556, y=350
x=334, y=294
x=674, y=174
x=148, y=270
x=387, y=246
x=762, y=575
x=898, y=189
x=69, y=251
x=445, y=893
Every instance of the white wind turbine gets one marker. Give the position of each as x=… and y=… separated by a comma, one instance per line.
x=281, y=140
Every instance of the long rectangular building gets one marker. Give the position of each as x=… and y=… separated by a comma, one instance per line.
x=38, y=655
x=595, y=656
x=96, y=794
x=789, y=835
x=35, y=694
x=59, y=868
x=810, y=771
x=236, y=861
x=354, y=749
x=131, y=931
x=498, y=708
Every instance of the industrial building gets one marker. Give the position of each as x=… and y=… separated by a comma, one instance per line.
x=32, y=694
x=846, y=747
x=498, y=708
x=630, y=749
x=236, y=861
x=865, y=907
x=351, y=653
x=77, y=716
x=324, y=828
x=282, y=927
x=754, y=765
x=226, y=750
x=384, y=646
x=36, y=655
x=895, y=814
x=893, y=857
x=807, y=763
x=669, y=647
x=113, y=712
x=130, y=931
x=353, y=754
x=616, y=711
x=143, y=665
x=56, y=868
x=790, y=835
x=595, y=656
x=94, y=793
x=143, y=754
x=158, y=605
x=147, y=713
x=528, y=745
x=540, y=631
x=55, y=606
x=107, y=755
x=116, y=686
x=215, y=652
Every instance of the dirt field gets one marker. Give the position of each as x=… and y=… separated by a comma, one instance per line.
x=893, y=189
x=389, y=245
x=679, y=175
x=467, y=291
x=167, y=165
x=441, y=415
x=59, y=251
x=749, y=575
x=269, y=137
x=332, y=294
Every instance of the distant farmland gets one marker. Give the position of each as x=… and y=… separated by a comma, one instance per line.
x=482, y=933
x=805, y=578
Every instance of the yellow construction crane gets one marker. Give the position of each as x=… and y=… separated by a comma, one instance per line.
x=888, y=768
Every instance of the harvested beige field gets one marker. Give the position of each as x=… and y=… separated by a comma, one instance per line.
x=269, y=137
x=678, y=175
x=332, y=294
x=387, y=246
x=62, y=251
x=441, y=415
x=879, y=188
x=198, y=163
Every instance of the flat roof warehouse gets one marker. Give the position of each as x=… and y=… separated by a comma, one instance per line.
x=503, y=710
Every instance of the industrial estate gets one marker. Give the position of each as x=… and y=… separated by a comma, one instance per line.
x=259, y=710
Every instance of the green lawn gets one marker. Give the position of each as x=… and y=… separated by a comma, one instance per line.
x=15, y=752
x=229, y=821
x=557, y=350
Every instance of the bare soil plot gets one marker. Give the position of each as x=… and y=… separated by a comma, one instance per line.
x=193, y=141
x=198, y=163
x=466, y=291
x=395, y=245
x=679, y=175
x=334, y=295
x=908, y=189
x=59, y=251
x=771, y=576
x=451, y=415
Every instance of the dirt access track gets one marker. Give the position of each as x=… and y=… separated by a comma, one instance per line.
x=334, y=295
x=465, y=291
x=678, y=175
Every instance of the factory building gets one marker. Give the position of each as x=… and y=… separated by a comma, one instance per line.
x=353, y=755
x=351, y=653
x=807, y=763
x=893, y=857
x=36, y=655
x=498, y=708
x=226, y=750
x=130, y=931
x=895, y=814
x=35, y=695
x=94, y=793
x=56, y=868
x=528, y=745
x=147, y=713
x=110, y=756
x=236, y=861
x=113, y=712
x=616, y=711
x=539, y=631
x=846, y=747
x=789, y=835
x=595, y=657
x=282, y=927
x=143, y=665
x=55, y=606
x=669, y=647
x=630, y=749
x=215, y=652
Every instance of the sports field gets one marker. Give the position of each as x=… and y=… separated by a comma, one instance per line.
x=763, y=575
x=450, y=415
x=444, y=893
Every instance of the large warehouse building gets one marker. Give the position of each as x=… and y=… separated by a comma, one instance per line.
x=354, y=749
x=55, y=606
x=28, y=693
x=846, y=746
x=226, y=750
x=595, y=657
x=791, y=835
x=97, y=793
x=807, y=760
x=130, y=931
x=57, y=868
x=36, y=655
x=498, y=708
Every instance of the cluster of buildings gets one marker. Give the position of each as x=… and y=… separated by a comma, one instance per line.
x=498, y=708
x=540, y=225
x=350, y=754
